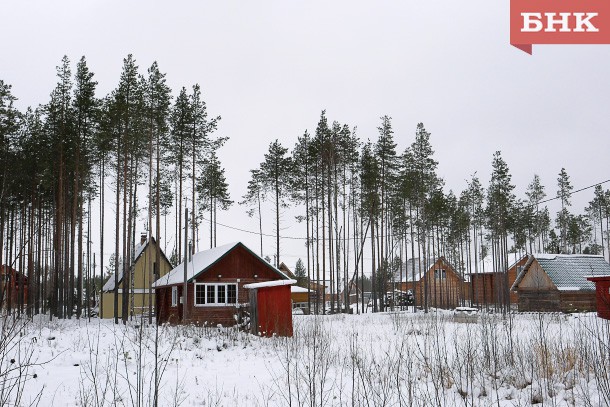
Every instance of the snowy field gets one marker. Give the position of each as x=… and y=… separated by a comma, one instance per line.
x=387, y=359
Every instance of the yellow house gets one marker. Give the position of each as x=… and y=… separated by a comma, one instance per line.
x=141, y=295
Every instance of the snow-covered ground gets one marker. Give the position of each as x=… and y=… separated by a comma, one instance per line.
x=381, y=359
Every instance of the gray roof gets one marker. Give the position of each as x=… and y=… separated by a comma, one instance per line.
x=487, y=265
x=413, y=266
x=568, y=271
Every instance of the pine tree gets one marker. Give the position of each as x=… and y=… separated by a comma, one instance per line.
x=130, y=145
x=202, y=152
x=385, y=150
x=254, y=196
x=86, y=113
x=535, y=193
x=499, y=212
x=275, y=173
x=564, y=192
x=214, y=192
x=181, y=119
x=157, y=99
x=9, y=126
x=301, y=274
x=369, y=170
x=598, y=211
x=425, y=180
x=476, y=198
x=59, y=126
x=301, y=191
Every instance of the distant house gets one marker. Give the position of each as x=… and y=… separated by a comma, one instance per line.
x=298, y=295
x=9, y=288
x=319, y=290
x=557, y=282
x=354, y=293
x=284, y=269
x=433, y=281
x=490, y=286
x=215, y=285
x=141, y=294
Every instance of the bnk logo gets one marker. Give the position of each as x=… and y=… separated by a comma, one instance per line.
x=581, y=22
x=559, y=22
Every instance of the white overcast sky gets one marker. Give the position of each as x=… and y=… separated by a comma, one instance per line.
x=270, y=67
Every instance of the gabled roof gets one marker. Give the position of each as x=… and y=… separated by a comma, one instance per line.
x=109, y=284
x=284, y=268
x=567, y=271
x=138, y=250
x=486, y=266
x=202, y=261
x=413, y=265
x=297, y=289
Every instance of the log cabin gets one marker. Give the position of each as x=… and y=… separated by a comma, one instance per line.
x=557, y=282
x=433, y=281
x=489, y=285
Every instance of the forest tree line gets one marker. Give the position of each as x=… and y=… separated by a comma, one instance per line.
x=60, y=158
x=365, y=198
x=356, y=198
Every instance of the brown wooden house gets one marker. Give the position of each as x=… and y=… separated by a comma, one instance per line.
x=298, y=293
x=434, y=282
x=10, y=280
x=286, y=270
x=353, y=292
x=215, y=286
x=557, y=282
x=489, y=287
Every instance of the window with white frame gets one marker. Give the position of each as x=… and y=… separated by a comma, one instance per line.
x=215, y=294
x=174, y=296
x=440, y=274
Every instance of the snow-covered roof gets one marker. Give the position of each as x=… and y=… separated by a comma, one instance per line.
x=552, y=256
x=568, y=271
x=487, y=265
x=274, y=283
x=596, y=276
x=297, y=289
x=417, y=268
x=413, y=266
x=200, y=262
x=109, y=285
x=138, y=250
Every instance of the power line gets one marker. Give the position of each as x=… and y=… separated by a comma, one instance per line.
x=572, y=193
x=352, y=238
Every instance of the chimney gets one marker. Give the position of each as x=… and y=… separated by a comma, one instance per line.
x=143, y=238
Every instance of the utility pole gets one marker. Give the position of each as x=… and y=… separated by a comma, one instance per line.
x=186, y=251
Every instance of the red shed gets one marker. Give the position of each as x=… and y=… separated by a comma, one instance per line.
x=602, y=294
x=271, y=308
